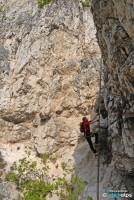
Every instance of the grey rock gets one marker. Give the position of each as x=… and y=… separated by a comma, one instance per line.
x=115, y=33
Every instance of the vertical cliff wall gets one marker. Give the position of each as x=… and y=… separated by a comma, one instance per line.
x=49, y=71
x=115, y=33
x=49, y=76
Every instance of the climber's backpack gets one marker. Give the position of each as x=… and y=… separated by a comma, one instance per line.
x=82, y=127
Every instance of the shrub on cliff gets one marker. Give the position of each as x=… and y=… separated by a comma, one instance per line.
x=86, y=3
x=43, y=3
x=36, y=184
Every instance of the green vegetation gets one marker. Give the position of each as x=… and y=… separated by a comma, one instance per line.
x=42, y=3
x=35, y=183
x=86, y=3
x=89, y=198
x=63, y=165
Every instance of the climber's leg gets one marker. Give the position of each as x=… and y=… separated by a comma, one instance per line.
x=90, y=143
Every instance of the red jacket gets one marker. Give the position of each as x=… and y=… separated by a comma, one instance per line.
x=87, y=127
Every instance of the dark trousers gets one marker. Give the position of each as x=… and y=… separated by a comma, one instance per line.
x=88, y=138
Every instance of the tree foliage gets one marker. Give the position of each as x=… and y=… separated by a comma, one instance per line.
x=36, y=184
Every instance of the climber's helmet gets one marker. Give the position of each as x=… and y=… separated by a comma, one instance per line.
x=84, y=119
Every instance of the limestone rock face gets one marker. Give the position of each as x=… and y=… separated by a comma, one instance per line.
x=49, y=72
x=115, y=32
x=49, y=77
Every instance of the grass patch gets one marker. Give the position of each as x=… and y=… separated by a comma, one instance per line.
x=42, y=3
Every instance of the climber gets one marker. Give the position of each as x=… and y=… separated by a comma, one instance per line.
x=88, y=134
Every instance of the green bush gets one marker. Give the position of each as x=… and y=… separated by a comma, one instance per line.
x=35, y=183
x=43, y=3
x=89, y=198
x=63, y=165
x=86, y=3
